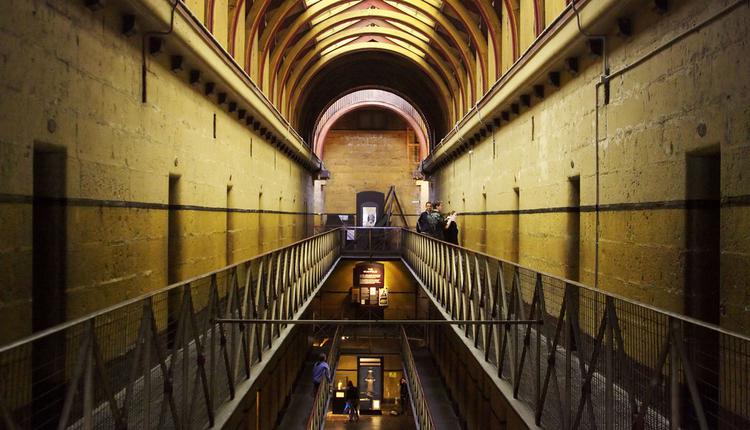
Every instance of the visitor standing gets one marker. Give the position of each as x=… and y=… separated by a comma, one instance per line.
x=423, y=223
x=352, y=401
x=451, y=229
x=404, y=388
x=437, y=222
x=320, y=370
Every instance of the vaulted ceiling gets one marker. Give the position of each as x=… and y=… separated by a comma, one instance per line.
x=441, y=55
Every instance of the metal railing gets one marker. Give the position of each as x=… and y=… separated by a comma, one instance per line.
x=422, y=416
x=371, y=241
x=598, y=360
x=160, y=360
x=322, y=397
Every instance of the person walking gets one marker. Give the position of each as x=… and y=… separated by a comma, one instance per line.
x=423, y=223
x=404, y=388
x=352, y=401
x=450, y=233
x=320, y=370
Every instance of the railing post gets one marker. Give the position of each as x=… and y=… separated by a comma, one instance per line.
x=88, y=381
x=674, y=378
x=609, y=345
x=568, y=333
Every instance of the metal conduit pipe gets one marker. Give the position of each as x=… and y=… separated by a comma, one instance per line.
x=144, y=40
x=597, y=173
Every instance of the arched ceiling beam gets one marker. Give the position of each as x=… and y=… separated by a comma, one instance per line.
x=323, y=129
x=371, y=70
x=510, y=12
x=396, y=33
x=476, y=36
x=298, y=84
x=233, y=27
x=257, y=13
x=413, y=42
x=295, y=89
x=420, y=6
x=388, y=16
x=495, y=28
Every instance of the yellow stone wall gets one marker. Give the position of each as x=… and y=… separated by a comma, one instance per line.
x=71, y=80
x=361, y=160
x=689, y=98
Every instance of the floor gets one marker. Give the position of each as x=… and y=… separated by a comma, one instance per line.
x=379, y=422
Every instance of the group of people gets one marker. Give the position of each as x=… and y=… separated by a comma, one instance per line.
x=433, y=223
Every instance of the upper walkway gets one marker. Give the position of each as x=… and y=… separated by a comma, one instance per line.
x=563, y=355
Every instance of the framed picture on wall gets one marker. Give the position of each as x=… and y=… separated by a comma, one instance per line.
x=369, y=216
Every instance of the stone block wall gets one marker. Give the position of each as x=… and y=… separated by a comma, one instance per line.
x=362, y=160
x=529, y=188
x=72, y=85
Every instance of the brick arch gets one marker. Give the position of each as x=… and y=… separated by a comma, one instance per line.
x=322, y=129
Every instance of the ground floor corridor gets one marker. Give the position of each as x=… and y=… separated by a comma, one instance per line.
x=371, y=422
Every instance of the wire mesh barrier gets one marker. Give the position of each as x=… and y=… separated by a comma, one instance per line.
x=371, y=241
x=322, y=397
x=160, y=360
x=598, y=360
x=416, y=394
x=163, y=360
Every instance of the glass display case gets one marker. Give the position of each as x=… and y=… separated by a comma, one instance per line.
x=370, y=378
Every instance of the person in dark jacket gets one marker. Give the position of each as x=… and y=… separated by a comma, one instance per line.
x=404, y=395
x=450, y=233
x=437, y=221
x=423, y=223
x=352, y=401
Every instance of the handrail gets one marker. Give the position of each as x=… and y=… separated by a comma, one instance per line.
x=422, y=415
x=578, y=284
x=160, y=359
x=128, y=302
x=598, y=360
x=322, y=399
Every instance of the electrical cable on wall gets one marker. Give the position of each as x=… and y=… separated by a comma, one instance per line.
x=604, y=78
x=144, y=40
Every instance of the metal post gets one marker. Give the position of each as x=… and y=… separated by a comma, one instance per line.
x=88, y=381
x=674, y=380
x=609, y=344
x=147, y=368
